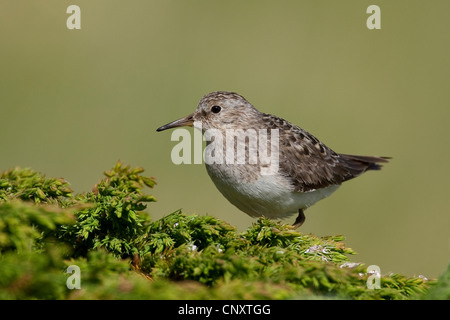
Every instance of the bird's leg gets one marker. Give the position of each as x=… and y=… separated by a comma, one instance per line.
x=300, y=219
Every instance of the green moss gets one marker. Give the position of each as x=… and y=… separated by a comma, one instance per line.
x=122, y=254
x=23, y=226
x=440, y=291
x=26, y=184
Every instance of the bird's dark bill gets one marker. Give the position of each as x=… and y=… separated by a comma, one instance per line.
x=186, y=121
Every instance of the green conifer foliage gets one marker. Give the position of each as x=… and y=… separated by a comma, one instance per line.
x=122, y=254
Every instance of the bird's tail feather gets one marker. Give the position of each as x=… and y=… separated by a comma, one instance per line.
x=360, y=164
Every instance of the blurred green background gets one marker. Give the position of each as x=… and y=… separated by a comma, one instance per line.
x=73, y=102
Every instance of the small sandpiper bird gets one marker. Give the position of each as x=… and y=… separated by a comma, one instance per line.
x=307, y=172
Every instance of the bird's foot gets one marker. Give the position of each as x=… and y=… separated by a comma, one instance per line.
x=300, y=219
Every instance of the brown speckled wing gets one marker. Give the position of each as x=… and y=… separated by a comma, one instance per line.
x=310, y=164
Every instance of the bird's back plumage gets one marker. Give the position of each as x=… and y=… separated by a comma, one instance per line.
x=310, y=164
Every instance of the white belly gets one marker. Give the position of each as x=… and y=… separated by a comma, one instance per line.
x=263, y=195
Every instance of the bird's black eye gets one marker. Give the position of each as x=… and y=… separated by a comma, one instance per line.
x=216, y=109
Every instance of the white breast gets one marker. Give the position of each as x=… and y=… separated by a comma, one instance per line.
x=262, y=195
